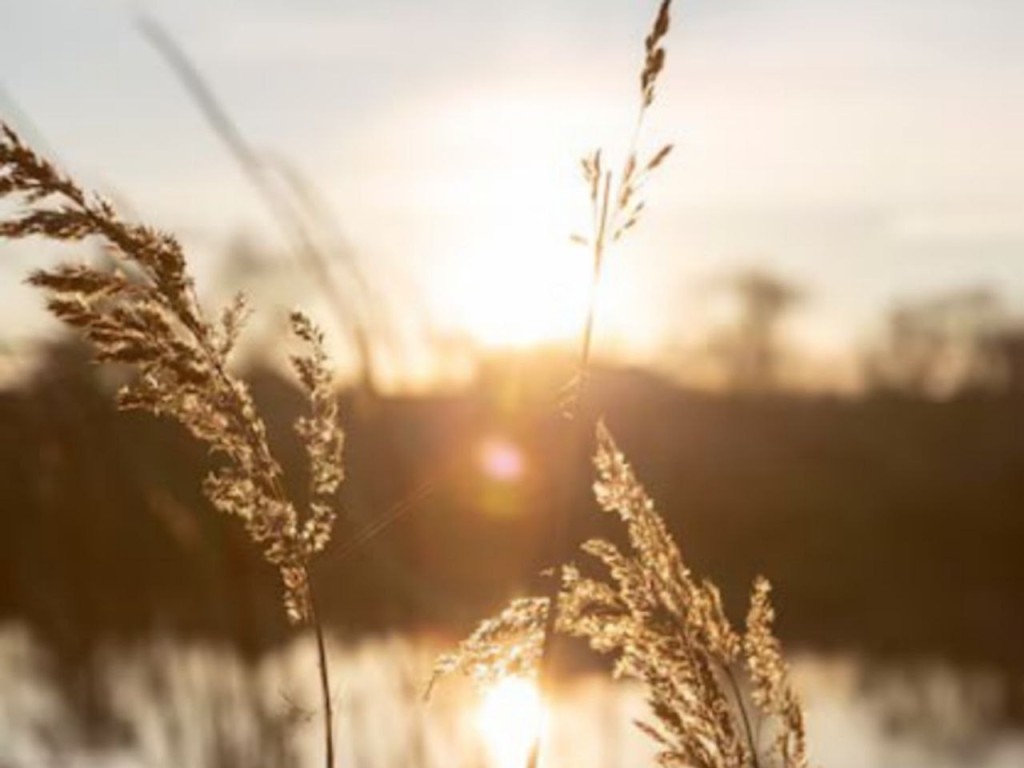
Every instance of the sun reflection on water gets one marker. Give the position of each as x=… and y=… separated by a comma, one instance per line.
x=510, y=718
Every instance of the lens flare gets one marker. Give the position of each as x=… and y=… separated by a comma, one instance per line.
x=501, y=460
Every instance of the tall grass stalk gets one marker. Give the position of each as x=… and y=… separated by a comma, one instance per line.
x=143, y=313
x=613, y=212
x=643, y=606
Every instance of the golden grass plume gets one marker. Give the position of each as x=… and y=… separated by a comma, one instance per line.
x=664, y=628
x=144, y=313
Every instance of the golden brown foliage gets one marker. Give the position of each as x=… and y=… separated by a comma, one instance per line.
x=144, y=313
x=664, y=628
x=770, y=680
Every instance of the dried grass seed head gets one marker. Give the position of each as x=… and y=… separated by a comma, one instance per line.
x=144, y=313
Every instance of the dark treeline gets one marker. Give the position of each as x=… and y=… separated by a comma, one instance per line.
x=890, y=525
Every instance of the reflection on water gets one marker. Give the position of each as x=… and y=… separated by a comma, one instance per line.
x=510, y=717
x=172, y=704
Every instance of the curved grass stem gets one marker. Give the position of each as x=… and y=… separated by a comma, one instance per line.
x=325, y=683
x=574, y=414
x=744, y=715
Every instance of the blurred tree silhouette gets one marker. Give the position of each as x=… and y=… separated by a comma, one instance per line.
x=940, y=346
x=750, y=349
x=1009, y=343
x=894, y=523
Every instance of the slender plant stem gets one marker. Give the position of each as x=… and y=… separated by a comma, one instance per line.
x=605, y=221
x=583, y=370
x=325, y=684
x=743, y=714
x=280, y=206
x=577, y=442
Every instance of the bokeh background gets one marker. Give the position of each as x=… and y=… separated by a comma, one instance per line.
x=812, y=349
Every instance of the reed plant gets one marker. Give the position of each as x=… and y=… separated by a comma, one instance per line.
x=143, y=313
x=641, y=604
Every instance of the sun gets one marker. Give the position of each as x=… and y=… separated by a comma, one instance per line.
x=522, y=288
x=489, y=190
x=508, y=273
x=510, y=718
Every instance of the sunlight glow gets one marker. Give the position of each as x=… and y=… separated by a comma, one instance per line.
x=510, y=197
x=492, y=192
x=510, y=718
x=522, y=288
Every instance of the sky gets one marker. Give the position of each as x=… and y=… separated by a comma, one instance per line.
x=865, y=150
